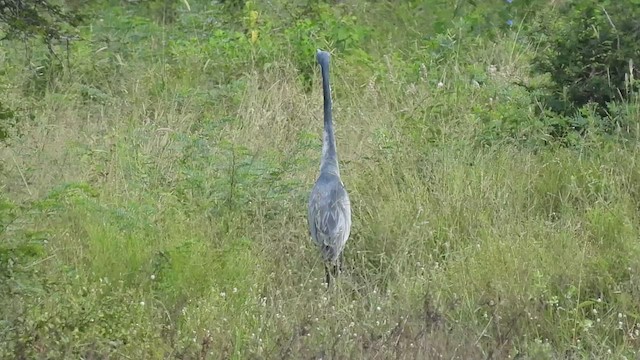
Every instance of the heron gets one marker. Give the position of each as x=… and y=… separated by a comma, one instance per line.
x=329, y=212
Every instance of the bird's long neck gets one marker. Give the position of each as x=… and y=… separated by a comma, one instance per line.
x=329, y=162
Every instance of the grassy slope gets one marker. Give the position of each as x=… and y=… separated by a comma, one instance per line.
x=164, y=216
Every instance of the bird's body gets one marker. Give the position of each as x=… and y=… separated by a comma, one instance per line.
x=329, y=216
x=329, y=212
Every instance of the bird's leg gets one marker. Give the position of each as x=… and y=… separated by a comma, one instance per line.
x=335, y=269
x=327, y=273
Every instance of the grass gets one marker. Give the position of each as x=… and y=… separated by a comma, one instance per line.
x=154, y=207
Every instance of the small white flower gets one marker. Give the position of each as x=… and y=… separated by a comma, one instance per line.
x=223, y=294
x=153, y=277
x=235, y=290
x=141, y=303
x=440, y=84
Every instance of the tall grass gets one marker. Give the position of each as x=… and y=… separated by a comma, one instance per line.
x=151, y=211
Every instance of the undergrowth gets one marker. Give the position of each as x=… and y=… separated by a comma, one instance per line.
x=154, y=185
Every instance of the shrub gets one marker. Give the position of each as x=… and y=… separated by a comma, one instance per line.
x=320, y=24
x=25, y=19
x=588, y=51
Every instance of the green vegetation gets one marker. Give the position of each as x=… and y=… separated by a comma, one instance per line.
x=154, y=174
x=592, y=54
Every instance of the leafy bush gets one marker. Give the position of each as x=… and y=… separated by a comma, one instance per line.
x=25, y=19
x=319, y=25
x=486, y=18
x=588, y=53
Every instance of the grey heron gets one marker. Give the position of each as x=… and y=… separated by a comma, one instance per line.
x=329, y=212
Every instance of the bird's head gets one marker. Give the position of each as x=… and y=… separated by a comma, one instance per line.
x=322, y=57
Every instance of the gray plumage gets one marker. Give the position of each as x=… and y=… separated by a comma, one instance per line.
x=329, y=212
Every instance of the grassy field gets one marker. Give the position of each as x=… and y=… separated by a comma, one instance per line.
x=153, y=195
